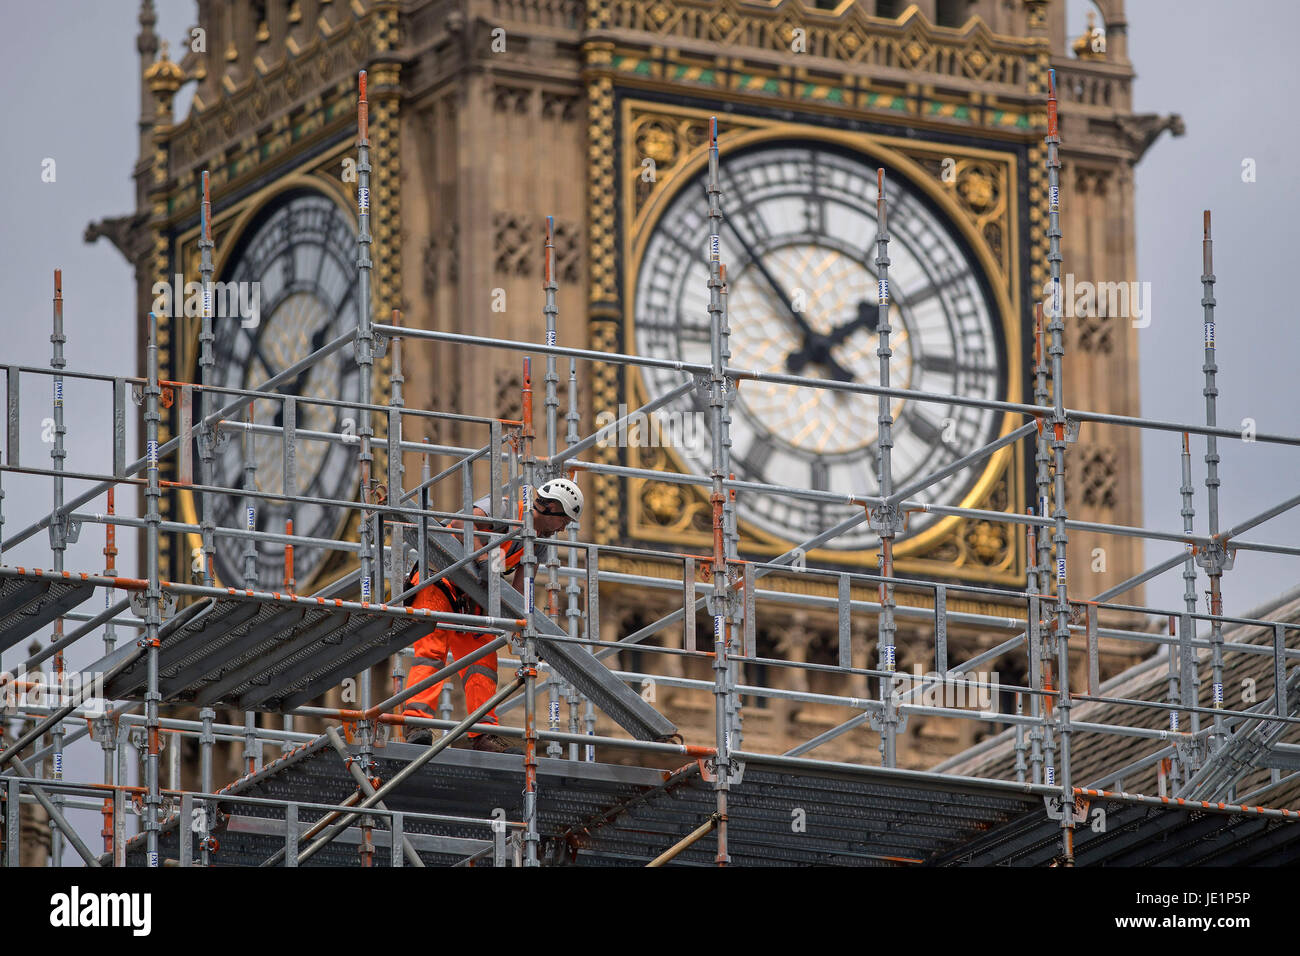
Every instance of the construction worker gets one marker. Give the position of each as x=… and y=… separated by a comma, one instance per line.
x=556, y=503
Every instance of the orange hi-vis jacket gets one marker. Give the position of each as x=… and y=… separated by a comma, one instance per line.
x=511, y=552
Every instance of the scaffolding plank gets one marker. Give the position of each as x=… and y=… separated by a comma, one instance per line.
x=263, y=654
x=30, y=599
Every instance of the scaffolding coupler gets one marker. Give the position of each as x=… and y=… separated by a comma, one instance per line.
x=885, y=517
x=1215, y=557
x=1052, y=804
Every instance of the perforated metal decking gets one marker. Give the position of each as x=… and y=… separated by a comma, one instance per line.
x=1132, y=832
x=593, y=814
x=262, y=655
x=31, y=598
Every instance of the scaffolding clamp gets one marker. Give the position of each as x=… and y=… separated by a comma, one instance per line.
x=876, y=719
x=139, y=602
x=378, y=344
x=103, y=730
x=709, y=770
x=1215, y=557
x=165, y=395
x=885, y=518
x=1063, y=428
x=1052, y=804
x=139, y=738
x=202, y=439
x=63, y=530
x=545, y=471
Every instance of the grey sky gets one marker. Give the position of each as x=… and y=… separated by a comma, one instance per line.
x=71, y=69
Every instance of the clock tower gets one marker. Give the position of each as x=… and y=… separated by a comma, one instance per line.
x=489, y=115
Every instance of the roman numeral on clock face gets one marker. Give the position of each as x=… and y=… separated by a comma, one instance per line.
x=820, y=475
x=757, y=456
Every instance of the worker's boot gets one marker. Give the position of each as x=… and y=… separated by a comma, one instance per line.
x=423, y=736
x=491, y=743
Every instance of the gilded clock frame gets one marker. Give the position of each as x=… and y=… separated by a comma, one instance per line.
x=738, y=131
x=228, y=228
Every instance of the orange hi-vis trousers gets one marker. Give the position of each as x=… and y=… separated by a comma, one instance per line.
x=479, y=679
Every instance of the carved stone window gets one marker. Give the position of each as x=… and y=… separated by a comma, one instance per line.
x=1093, y=334
x=1092, y=482
x=559, y=106
x=511, y=99
x=440, y=259
x=566, y=252
x=508, y=400
x=517, y=242
x=513, y=253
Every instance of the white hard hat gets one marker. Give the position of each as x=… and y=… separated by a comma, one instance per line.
x=566, y=493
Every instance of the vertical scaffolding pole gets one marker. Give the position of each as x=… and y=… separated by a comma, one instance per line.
x=252, y=748
x=290, y=584
x=396, y=468
x=573, y=589
x=59, y=536
x=1189, y=675
x=106, y=732
x=718, y=598
x=365, y=342
x=1034, y=657
x=1020, y=741
x=528, y=661
x=1175, y=698
x=886, y=518
x=153, y=593
x=365, y=346
x=1059, y=438
x=1042, y=564
x=550, y=311
x=1215, y=557
x=206, y=433
x=731, y=536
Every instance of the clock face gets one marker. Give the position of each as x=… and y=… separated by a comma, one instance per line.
x=799, y=243
x=303, y=254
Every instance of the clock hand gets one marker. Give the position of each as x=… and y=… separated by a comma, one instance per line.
x=300, y=382
x=812, y=338
x=795, y=316
x=868, y=317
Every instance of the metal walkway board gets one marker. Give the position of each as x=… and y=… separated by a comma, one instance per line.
x=262, y=654
x=595, y=814
x=1132, y=832
x=31, y=598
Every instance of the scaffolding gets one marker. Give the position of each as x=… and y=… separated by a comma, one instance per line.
x=357, y=794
